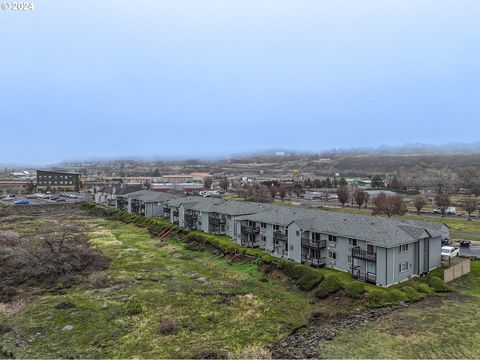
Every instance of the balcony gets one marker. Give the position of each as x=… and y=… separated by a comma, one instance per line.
x=314, y=261
x=254, y=244
x=250, y=230
x=364, y=254
x=191, y=217
x=368, y=277
x=216, y=221
x=314, y=243
x=280, y=236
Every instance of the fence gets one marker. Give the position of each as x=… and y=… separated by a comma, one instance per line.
x=457, y=270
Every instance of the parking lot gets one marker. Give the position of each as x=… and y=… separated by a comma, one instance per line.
x=39, y=199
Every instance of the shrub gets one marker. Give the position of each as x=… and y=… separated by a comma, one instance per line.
x=99, y=280
x=134, y=307
x=308, y=281
x=328, y=286
x=438, y=284
x=425, y=289
x=167, y=327
x=354, y=289
x=397, y=296
x=7, y=293
x=294, y=270
x=412, y=294
x=378, y=298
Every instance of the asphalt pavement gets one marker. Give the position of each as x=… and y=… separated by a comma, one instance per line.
x=473, y=251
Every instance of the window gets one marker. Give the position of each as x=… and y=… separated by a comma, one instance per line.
x=291, y=247
x=370, y=249
x=263, y=225
x=352, y=242
x=403, y=266
x=251, y=223
x=263, y=238
x=332, y=255
x=315, y=237
x=276, y=227
x=349, y=259
x=332, y=238
x=297, y=233
x=403, y=248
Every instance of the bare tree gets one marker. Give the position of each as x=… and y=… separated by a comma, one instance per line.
x=273, y=191
x=224, y=184
x=343, y=194
x=470, y=204
x=443, y=180
x=52, y=250
x=282, y=191
x=442, y=200
x=367, y=197
x=389, y=205
x=259, y=193
x=359, y=195
x=207, y=182
x=470, y=180
x=420, y=202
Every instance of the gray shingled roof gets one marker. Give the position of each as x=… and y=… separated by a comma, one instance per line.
x=281, y=215
x=377, y=230
x=381, y=231
x=151, y=196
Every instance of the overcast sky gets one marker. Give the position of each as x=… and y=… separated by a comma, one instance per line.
x=82, y=79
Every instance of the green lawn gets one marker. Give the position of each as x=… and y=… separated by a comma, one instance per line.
x=434, y=329
x=215, y=305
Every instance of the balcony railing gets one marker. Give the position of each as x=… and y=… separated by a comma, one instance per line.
x=216, y=220
x=314, y=243
x=314, y=261
x=253, y=230
x=368, y=277
x=364, y=254
x=279, y=235
x=254, y=244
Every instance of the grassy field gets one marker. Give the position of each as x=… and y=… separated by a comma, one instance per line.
x=438, y=328
x=213, y=304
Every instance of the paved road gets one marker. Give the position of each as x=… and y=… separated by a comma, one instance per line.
x=473, y=250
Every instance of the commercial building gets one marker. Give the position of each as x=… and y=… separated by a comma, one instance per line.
x=57, y=181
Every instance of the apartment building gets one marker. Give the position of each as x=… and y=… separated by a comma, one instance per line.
x=383, y=251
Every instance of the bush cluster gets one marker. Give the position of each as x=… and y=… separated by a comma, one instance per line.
x=354, y=289
x=329, y=285
x=133, y=307
x=438, y=284
x=425, y=289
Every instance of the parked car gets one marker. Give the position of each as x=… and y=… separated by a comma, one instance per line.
x=445, y=241
x=465, y=243
x=450, y=251
x=22, y=202
x=449, y=211
x=60, y=200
